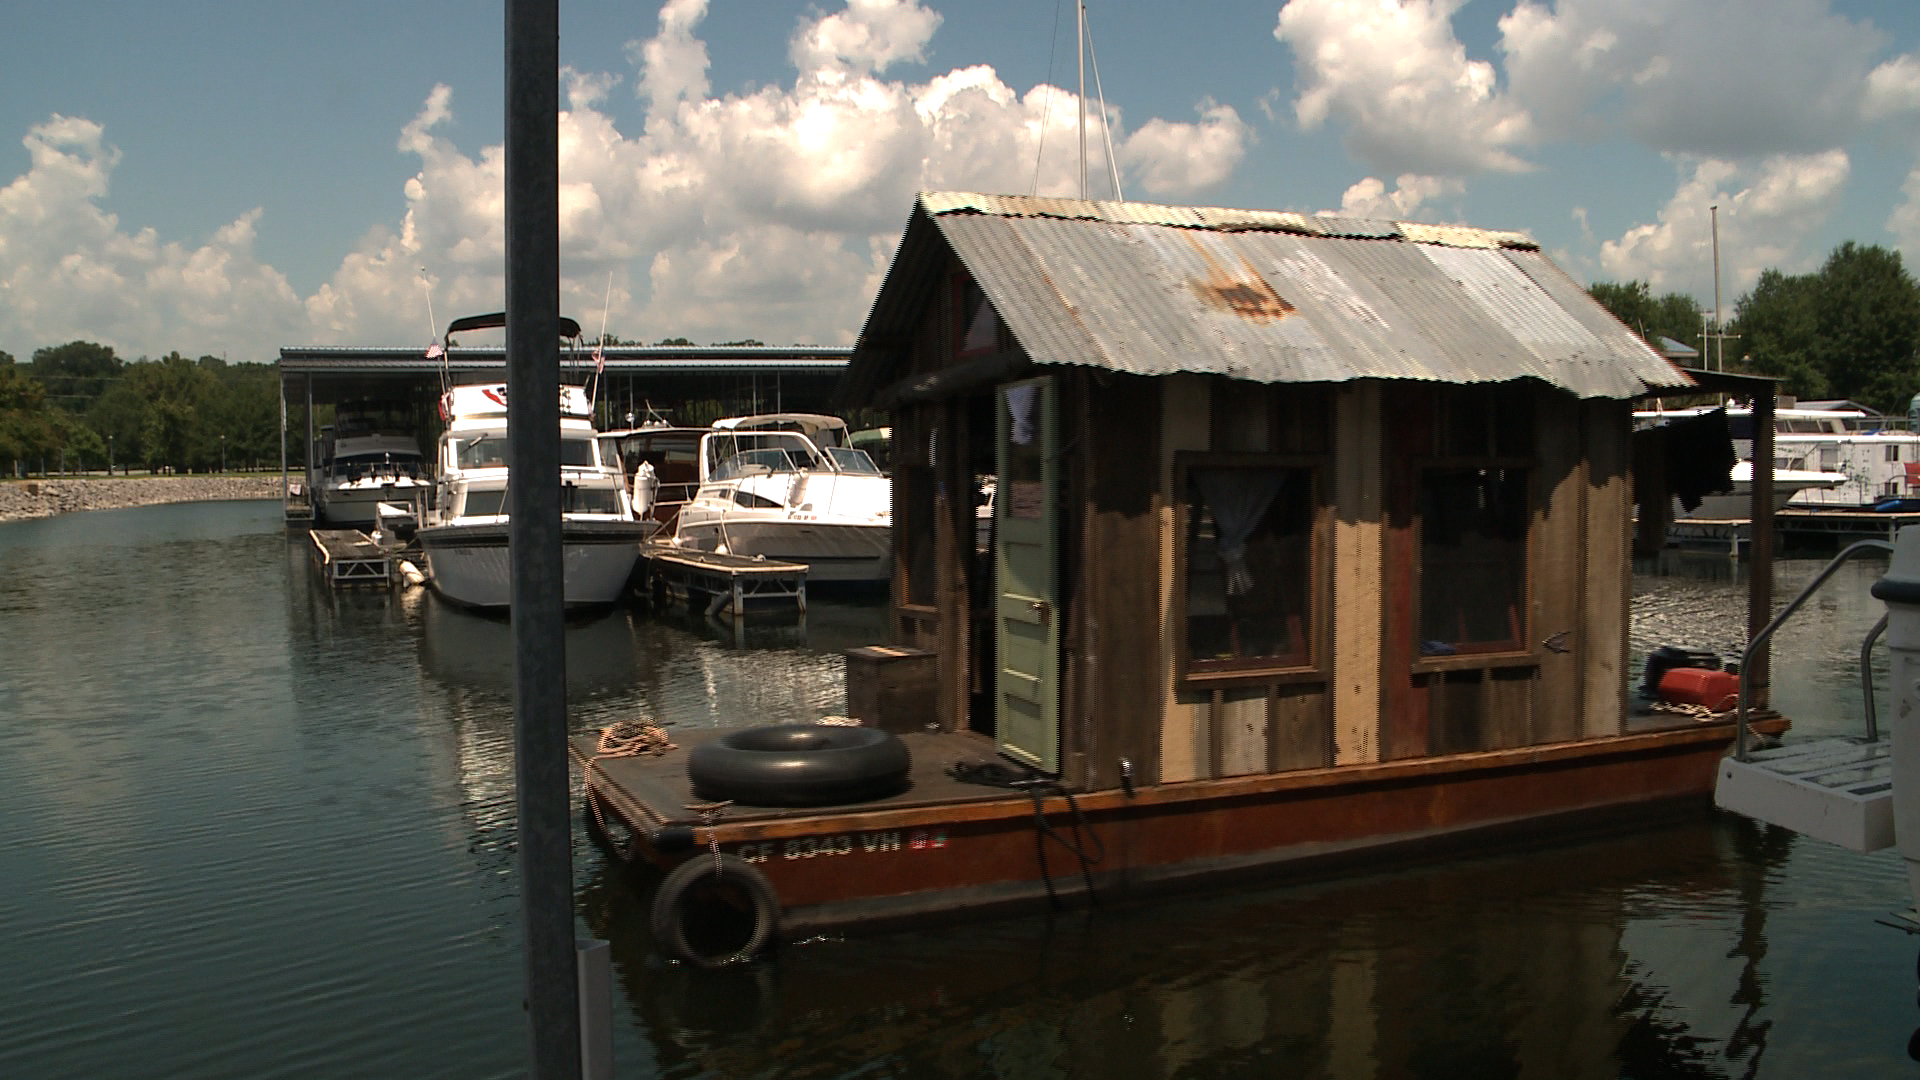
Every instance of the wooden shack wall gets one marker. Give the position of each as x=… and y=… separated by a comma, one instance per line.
x=1123, y=695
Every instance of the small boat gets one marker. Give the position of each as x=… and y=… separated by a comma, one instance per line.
x=789, y=487
x=463, y=538
x=366, y=459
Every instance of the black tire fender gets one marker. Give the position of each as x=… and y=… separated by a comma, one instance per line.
x=683, y=885
x=800, y=765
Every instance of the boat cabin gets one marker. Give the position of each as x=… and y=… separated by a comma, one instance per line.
x=1271, y=491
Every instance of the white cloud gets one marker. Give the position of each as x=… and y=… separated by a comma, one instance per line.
x=1733, y=79
x=1370, y=197
x=68, y=270
x=769, y=214
x=1394, y=74
x=1767, y=212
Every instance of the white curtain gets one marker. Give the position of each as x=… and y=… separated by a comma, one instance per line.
x=1020, y=402
x=1238, y=499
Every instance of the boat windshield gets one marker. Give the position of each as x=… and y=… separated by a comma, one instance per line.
x=380, y=465
x=848, y=460
x=492, y=452
x=573, y=500
x=754, y=462
x=731, y=455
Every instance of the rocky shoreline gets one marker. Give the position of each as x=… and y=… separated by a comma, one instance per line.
x=20, y=499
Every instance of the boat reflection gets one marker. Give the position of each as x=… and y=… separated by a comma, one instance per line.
x=1554, y=963
x=464, y=649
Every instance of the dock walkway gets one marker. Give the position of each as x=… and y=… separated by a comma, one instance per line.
x=724, y=584
x=348, y=557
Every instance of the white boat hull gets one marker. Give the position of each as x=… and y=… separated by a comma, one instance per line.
x=831, y=551
x=468, y=563
x=356, y=506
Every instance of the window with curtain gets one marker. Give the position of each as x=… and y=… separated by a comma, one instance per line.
x=1248, y=571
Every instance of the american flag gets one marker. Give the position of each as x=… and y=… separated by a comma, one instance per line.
x=599, y=361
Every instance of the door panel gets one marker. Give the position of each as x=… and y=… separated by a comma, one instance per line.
x=1026, y=561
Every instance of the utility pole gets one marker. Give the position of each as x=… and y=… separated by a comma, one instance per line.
x=1719, y=328
x=537, y=598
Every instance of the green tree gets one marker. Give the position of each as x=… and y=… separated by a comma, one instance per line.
x=1673, y=315
x=27, y=431
x=172, y=431
x=75, y=373
x=1778, y=327
x=1850, y=330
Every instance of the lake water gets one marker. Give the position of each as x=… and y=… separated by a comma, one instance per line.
x=252, y=828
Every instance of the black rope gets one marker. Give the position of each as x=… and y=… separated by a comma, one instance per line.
x=1038, y=786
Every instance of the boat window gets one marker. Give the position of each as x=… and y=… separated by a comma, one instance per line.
x=1893, y=452
x=1248, y=554
x=1461, y=481
x=485, y=452
x=495, y=452
x=484, y=504
x=743, y=497
x=755, y=462
x=575, y=499
x=853, y=461
x=1473, y=559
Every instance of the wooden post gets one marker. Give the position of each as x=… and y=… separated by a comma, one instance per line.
x=1358, y=564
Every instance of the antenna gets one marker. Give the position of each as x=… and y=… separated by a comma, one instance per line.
x=1106, y=128
x=1080, y=11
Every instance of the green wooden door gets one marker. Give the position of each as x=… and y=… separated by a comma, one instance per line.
x=1026, y=558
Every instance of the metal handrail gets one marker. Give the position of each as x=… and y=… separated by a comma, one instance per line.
x=1766, y=634
x=1866, y=678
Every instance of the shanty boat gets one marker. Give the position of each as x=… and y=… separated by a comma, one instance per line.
x=790, y=488
x=463, y=538
x=1309, y=544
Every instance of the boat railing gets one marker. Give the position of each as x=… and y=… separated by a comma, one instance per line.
x=1766, y=634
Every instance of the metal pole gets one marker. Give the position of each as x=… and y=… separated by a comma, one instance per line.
x=1080, y=24
x=1757, y=670
x=537, y=599
x=1719, y=330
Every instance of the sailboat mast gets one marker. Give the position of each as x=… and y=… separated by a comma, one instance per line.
x=1080, y=25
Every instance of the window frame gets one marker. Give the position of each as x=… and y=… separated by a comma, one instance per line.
x=1319, y=604
x=1525, y=654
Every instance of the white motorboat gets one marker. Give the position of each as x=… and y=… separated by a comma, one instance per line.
x=1738, y=504
x=365, y=460
x=789, y=487
x=464, y=536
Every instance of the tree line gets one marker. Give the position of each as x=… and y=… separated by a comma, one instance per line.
x=1849, y=330
x=78, y=406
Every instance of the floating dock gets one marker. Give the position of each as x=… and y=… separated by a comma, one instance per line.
x=724, y=584
x=348, y=557
x=298, y=506
x=1804, y=527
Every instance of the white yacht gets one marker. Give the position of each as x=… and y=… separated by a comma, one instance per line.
x=789, y=487
x=463, y=538
x=365, y=460
x=1874, y=463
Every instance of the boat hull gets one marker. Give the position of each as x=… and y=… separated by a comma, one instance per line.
x=932, y=852
x=831, y=551
x=468, y=563
x=356, y=506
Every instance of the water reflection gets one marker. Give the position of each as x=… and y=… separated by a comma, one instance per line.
x=1518, y=965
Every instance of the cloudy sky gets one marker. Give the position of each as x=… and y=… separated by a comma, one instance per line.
x=227, y=177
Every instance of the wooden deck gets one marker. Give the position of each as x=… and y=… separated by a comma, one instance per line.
x=348, y=558
x=944, y=847
x=725, y=584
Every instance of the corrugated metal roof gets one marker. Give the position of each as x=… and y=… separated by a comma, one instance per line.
x=1272, y=296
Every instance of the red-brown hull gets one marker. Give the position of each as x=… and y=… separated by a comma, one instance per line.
x=892, y=863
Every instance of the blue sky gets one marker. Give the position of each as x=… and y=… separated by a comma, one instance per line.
x=231, y=177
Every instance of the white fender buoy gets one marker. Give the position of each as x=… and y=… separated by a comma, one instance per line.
x=411, y=574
